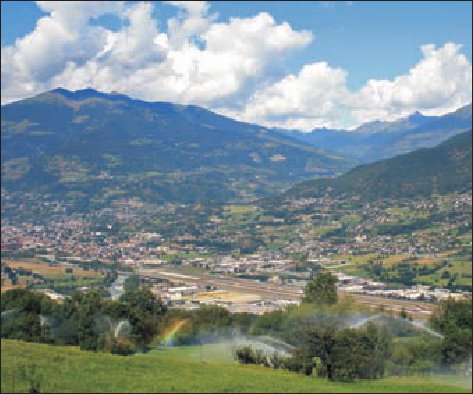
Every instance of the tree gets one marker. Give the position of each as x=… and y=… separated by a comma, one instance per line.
x=351, y=356
x=454, y=320
x=320, y=342
x=132, y=283
x=67, y=332
x=301, y=361
x=146, y=312
x=88, y=307
x=22, y=319
x=269, y=322
x=342, y=354
x=322, y=290
x=142, y=300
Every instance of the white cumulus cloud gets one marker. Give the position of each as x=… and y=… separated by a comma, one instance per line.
x=440, y=82
x=225, y=65
x=318, y=96
x=195, y=59
x=310, y=98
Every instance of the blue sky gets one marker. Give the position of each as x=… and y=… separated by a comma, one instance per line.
x=332, y=46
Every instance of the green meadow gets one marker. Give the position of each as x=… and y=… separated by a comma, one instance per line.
x=208, y=368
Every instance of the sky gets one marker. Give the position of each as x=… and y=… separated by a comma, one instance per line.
x=299, y=65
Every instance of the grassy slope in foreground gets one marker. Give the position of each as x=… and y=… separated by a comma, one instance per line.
x=67, y=369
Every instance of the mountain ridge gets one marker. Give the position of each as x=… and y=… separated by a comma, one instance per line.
x=423, y=172
x=99, y=146
x=380, y=140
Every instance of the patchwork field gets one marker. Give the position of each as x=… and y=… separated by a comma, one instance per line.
x=52, y=271
x=60, y=275
x=433, y=270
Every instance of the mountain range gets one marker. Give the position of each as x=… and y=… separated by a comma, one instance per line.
x=442, y=169
x=380, y=140
x=92, y=147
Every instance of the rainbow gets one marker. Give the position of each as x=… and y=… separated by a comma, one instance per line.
x=168, y=334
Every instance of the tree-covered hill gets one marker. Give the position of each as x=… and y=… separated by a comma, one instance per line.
x=92, y=147
x=442, y=169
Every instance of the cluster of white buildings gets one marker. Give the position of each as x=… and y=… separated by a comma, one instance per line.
x=355, y=284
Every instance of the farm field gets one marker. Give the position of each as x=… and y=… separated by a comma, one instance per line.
x=431, y=270
x=180, y=369
x=52, y=271
x=61, y=275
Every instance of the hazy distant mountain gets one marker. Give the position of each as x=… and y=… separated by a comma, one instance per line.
x=94, y=147
x=442, y=169
x=379, y=140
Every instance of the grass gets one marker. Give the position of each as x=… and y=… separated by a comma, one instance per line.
x=53, y=271
x=209, y=368
x=459, y=263
x=239, y=208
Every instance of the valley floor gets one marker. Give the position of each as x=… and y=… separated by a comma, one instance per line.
x=208, y=368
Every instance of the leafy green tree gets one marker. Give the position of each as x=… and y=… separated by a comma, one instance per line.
x=145, y=314
x=301, y=361
x=22, y=319
x=453, y=319
x=25, y=326
x=322, y=290
x=88, y=307
x=318, y=342
x=67, y=333
x=142, y=300
x=344, y=354
x=116, y=309
x=132, y=283
x=269, y=322
x=419, y=354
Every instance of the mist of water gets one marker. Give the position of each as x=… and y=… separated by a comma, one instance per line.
x=266, y=344
x=9, y=313
x=122, y=329
x=103, y=323
x=276, y=342
x=422, y=326
x=361, y=322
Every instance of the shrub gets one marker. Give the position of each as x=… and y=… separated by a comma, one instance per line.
x=123, y=347
x=244, y=355
x=247, y=355
x=277, y=360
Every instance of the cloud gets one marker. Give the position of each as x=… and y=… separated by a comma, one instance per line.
x=75, y=14
x=318, y=96
x=438, y=83
x=305, y=100
x=193, y=21
x=228, y=66
x=58, y=38
x=195, y=60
